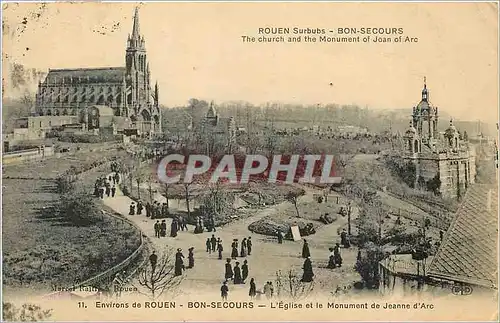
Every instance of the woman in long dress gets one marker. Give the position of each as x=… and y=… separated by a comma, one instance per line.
x=305, y=250
x=237, y=274
x=308, y=274
x=179, y=262
x=229, y=270
x=234, y=249
x=331, y=259
x=244, y=271
x=191, y=257
x=243, y=252
x=253, y=289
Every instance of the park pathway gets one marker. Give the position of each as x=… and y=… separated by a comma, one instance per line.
x=267, y=255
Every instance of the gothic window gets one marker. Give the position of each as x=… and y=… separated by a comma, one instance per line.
x=75, y=99
x=110, y=89
x=58, y=99
x=40, y=113
x=110, y=99
x=73, y=112
x=65, y=112
x=49, y=112
x=84, y=98
x=57, y=112
x=100, y=101
x=129, y=98
x=416, y=146
x=119, y=99
x=65, y=100
x=92, y=99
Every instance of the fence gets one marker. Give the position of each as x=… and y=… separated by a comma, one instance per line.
x=109, y=274
x=27, y=154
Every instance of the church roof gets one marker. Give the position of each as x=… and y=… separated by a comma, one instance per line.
x=468, y=253
x=85, y=75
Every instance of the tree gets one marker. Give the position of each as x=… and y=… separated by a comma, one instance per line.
x=166, y=189
x=216, y=199
x=186, y=195
x=367, y=265
x=293, y=197
x=289, y=286
x=153, y=282
x=27, y=313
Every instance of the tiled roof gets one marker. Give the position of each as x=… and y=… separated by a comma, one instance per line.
x=86, y=75
x=469, y=253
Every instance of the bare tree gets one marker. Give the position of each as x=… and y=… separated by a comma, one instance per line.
x=293, y=197
x=156, y=281
x=166, y=193
x=289, y=286
x=186, y=194
x=216, y=199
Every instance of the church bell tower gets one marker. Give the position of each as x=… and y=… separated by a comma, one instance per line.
x=137, y=69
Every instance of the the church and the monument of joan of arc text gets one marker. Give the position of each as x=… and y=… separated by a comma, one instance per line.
x=121, y=93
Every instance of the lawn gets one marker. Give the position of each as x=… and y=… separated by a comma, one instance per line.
x=40, y=250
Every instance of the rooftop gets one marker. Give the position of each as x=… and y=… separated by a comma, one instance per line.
x=469, y=253
x=85, y=75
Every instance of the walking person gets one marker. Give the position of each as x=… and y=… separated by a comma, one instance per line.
x=220, y=248
x=249, y=245
x=234, y=249
x=208, y=244
x=163, y=231
x=331, y=259
x=308, y=274
x=243, y=252
x=305, y=250
x=337, y=256
x=191, y=257
x=237, y=274
x=224, y=290
x=229, y=270
x=131, y=209
x=244, y=271
x=139, y=208
x=113, y=191
x=157, y=229
x=179, y=263
x=279, y=235
x=253, y=289
x=153, y=260
x=213, y=241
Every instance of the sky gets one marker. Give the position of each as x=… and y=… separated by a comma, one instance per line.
x=195, y=50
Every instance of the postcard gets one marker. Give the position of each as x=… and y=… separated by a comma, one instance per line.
x=250, y=161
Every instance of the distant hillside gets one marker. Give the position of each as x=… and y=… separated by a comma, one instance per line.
x=19, y=86
x=293, y=116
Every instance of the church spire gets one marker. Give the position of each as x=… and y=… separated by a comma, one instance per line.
x=135, y=40
x=425, y=93
x=136, y=33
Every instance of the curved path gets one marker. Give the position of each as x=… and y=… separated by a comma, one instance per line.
x=267, y=255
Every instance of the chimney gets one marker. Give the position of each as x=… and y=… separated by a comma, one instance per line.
x=488, y=200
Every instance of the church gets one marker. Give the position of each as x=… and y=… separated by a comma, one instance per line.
x=121, y=96
x=443, y=161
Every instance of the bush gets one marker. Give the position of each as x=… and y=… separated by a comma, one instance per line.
x=79, y=208
x=367, y=265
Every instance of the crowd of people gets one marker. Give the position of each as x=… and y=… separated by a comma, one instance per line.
x=106, y=186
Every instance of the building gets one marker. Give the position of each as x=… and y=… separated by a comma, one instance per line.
x=469, y=252
x=443, y=161
x=219, y=132
x=466, y=261
x=126, y=91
